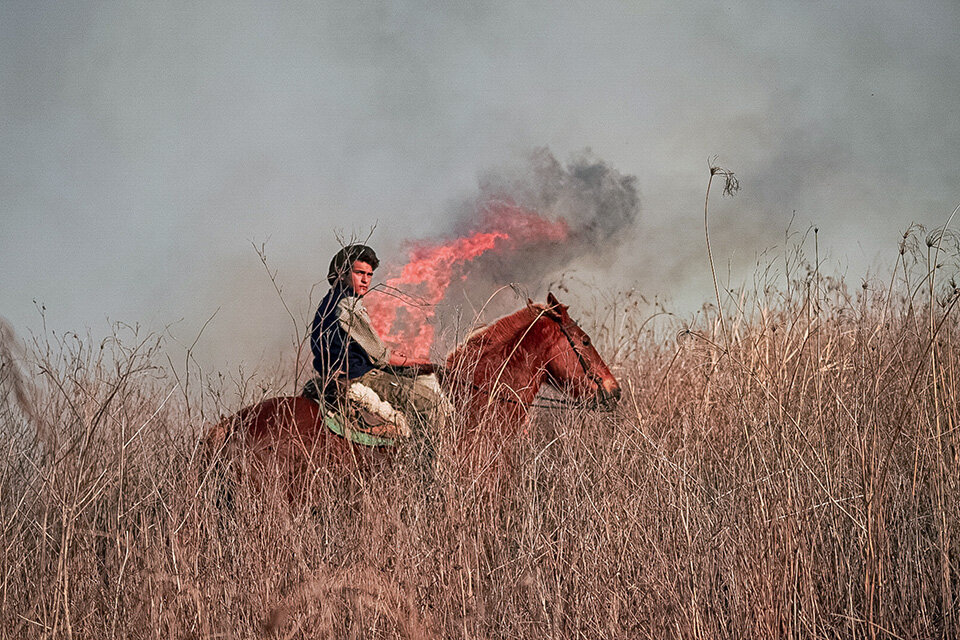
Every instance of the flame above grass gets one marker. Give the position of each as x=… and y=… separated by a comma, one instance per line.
x=502, y=227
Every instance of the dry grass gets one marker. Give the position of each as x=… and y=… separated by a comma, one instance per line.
x=792, y=472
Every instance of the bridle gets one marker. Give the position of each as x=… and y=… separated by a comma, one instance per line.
x=557, y=403
x=587, y=370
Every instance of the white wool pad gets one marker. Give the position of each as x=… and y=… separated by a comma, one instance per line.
x=368, y=399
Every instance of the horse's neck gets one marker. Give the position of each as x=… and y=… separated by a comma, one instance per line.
x=512, y=352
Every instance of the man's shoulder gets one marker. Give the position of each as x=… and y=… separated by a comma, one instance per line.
x=350, y=302
x=334, y=298
x=329, y=307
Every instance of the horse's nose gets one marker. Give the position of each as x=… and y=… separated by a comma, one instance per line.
x=609, y=393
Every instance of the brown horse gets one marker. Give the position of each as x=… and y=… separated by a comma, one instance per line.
x=495, y=375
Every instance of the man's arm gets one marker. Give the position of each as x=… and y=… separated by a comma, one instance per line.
x=355, y=321
x=422, y=367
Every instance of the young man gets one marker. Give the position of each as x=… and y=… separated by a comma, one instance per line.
x=347, y=349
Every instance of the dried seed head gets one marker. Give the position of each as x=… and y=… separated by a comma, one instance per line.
x=730, y=185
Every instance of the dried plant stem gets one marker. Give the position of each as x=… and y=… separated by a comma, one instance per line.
x=713, y=269
x=795, y=478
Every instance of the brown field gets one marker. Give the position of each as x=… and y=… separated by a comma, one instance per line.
x=791, y=471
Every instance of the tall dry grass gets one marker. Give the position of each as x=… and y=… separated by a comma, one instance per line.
x=790, y=472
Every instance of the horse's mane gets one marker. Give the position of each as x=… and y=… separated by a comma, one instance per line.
x=501, y=336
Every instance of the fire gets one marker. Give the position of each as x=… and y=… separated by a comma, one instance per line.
x=431, y=266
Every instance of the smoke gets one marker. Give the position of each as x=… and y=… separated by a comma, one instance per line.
x=598, y=204
x=525, y=224
x=146, y=148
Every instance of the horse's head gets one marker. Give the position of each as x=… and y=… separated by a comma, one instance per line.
x=574, y=366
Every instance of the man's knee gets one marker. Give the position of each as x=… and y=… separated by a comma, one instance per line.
x=367, y=399
x=427, y=396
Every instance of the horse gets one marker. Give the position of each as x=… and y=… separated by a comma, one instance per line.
x=499, y=369
x=495, y=375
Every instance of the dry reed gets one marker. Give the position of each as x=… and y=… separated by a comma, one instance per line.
x=791, y=472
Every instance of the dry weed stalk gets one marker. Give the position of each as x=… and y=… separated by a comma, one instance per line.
x=804, y=484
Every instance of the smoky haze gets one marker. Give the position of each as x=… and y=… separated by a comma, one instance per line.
x=149, y=147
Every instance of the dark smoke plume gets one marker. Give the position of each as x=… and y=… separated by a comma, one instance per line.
x=598, y=203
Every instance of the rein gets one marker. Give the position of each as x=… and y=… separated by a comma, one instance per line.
x=555, y=403
x=543, y=403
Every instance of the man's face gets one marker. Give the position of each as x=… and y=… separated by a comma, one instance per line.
x=360, y=276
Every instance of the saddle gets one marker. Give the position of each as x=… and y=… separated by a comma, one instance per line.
x=347, y=419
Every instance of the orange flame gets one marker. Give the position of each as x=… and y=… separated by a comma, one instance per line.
x=431, y=267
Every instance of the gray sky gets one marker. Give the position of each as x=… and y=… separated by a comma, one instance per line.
x=146, y=146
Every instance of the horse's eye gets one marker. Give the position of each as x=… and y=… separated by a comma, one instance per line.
x=586, y=342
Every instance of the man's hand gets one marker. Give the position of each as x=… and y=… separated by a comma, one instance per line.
x=418, y=368
x=411, y=365
x=425, y=368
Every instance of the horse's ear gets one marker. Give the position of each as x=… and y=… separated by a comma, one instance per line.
x=555, y=305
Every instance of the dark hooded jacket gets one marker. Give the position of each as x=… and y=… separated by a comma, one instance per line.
x=343, y=340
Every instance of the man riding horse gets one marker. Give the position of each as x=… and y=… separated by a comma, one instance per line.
x=496, y=374
x=353, y=362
